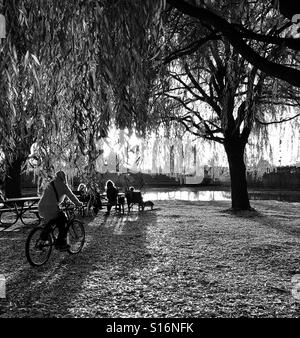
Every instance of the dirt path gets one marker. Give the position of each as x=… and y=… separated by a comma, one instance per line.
x=183, y=259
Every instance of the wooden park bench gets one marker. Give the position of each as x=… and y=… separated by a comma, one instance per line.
x=134, y=197
x=120, y=204
x=88, y=204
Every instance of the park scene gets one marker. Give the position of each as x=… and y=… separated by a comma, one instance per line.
x=149, y=159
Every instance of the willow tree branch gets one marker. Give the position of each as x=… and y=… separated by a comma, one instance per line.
x=291, y=43
x=276, y=122
x=191, y=48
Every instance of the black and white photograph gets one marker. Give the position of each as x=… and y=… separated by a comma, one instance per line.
x=149, y=162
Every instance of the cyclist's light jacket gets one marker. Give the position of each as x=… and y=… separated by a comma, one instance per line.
x=48, y=205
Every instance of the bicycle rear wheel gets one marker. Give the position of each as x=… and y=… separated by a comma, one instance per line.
x=38, y=251
x=76, y=236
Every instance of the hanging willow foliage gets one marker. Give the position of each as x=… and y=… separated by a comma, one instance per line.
x=74, y=67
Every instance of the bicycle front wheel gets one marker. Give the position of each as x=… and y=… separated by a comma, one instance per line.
x=76, y=236
x=38, y=251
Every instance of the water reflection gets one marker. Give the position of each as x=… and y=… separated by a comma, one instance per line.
x=186, y=195
x=221, y=195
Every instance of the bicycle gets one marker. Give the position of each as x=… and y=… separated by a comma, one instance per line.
x=38, y=251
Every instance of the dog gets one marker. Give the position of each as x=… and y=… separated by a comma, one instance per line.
x=148, y=204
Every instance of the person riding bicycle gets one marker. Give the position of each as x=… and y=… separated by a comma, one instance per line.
x=48, y=207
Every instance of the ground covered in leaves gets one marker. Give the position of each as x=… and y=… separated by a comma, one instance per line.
x=182, y=259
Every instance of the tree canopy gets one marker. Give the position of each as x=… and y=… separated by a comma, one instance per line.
x=71, y=68
x=237, y=34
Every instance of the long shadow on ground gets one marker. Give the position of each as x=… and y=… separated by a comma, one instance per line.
x=279, y=220
x=271, y=251
x=114, y=247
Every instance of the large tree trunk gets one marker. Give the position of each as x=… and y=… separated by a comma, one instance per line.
x=239, y=193
x=13, y=179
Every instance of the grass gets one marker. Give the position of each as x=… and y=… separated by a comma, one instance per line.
x=182, y=259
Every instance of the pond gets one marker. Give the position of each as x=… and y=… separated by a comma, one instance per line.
x=194, y=194
x=187, y=195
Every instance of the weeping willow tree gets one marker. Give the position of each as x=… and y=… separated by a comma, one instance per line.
x=19, y=93
x=216, y=94
x=69, y=70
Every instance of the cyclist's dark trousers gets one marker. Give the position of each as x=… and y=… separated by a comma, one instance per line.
x=60, y=222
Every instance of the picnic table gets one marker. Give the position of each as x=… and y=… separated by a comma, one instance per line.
x=23, y=208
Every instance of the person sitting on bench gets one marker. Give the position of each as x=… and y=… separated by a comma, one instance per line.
x=83, y=193
x=134, y=197
x=112, y=196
